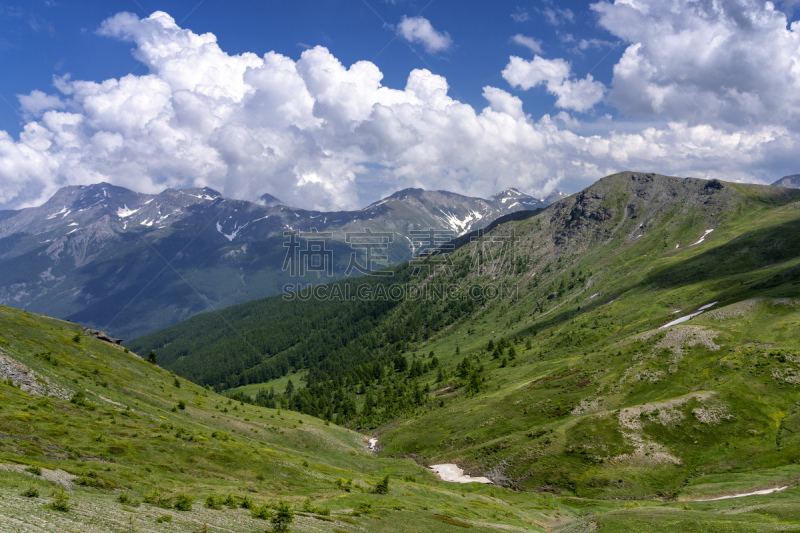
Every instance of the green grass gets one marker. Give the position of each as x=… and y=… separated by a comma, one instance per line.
x=125, y=439
x=605, y=422
x=278, y=384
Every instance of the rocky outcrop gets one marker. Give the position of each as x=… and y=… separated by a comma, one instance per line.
x=100, y=335
x=28, y=380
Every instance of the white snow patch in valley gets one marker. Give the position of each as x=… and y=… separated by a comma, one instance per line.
x=452, y=473
x=689, y=316
x=72, y=224
x=703, y=237
x=754, y=493
x=372, y=443
x=124, y=212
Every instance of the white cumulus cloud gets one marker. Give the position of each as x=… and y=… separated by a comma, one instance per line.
x=554, y=74
x=420, y=30
x=734, y=62
x=321, y=134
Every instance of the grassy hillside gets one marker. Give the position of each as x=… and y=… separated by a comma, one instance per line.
x=573, y=387
x=138, y=434
x=119, y=459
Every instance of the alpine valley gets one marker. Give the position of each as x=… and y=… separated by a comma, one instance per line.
x=624, y=359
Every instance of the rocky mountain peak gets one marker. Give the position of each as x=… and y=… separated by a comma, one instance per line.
x=792, y=181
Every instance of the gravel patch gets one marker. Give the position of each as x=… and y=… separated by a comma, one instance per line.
x=666, y=413
x=28, y=380
x=739, y=309
x=57, y=477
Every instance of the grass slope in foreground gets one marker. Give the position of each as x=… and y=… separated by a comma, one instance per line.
x=121, y=445
x=134, y=448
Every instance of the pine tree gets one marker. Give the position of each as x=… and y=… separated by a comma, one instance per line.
x=152, y=357
x=284, y=515
x=383, y=486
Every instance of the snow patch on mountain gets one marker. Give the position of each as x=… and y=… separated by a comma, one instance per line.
x=124, y=212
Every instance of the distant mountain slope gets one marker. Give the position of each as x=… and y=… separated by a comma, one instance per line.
x=131, y=263
x=792, y=181
x=639, y=336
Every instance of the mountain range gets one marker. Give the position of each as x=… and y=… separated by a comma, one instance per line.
x=131, y=263
x=792, y=181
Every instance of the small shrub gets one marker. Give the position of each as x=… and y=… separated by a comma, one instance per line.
x=177, y=383
x=126, y=499
x=363, y=508
x=35, y=470
x=79, y=399
x=76, y=338
x=31, y=492
x=60, y=501
x=261, y=513
x=247, y=503
x=181, y=405
x=230, y=502
x=164, y=518
x=213, y=503
x=154, y=497
x=183, y=502
x=95, y=480
x=345, y=484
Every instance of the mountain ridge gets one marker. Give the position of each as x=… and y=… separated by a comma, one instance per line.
x=130, y=262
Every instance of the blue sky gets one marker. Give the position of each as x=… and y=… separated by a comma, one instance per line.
x=43, y=38
x=603, y=87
